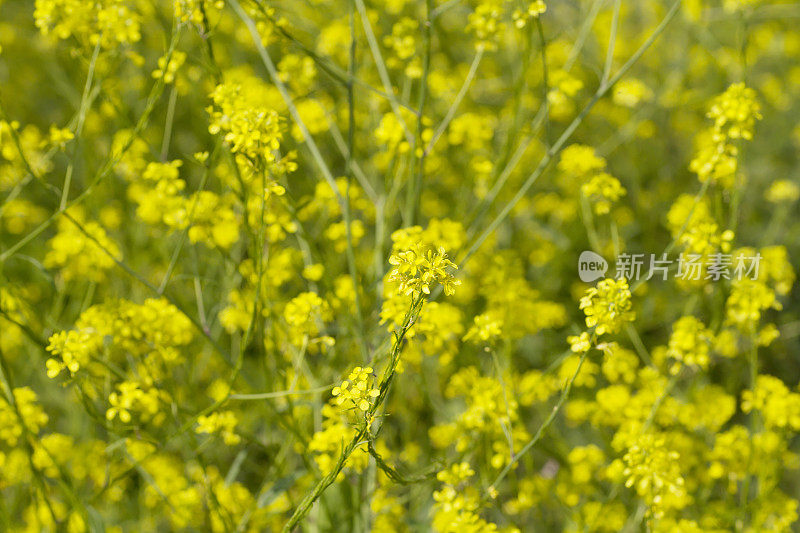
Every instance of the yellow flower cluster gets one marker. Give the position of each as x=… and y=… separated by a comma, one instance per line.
x=779, y=406
x=403, y=44
x=653, y=471
x=81, y=249
x=134, y=397
x=535, y=8
x=251, y=129
x=18, y=215
x=490, y=415
x=326, y=443
x=631, y=92
x=457, y=504
x=105, y=23
x=357, y=389
x=419, y=268
x=222, y=422
x=582, y=166
x=734, y=113
x=168, y=67
x=25, y=415
x=486, y=329
x=486, y=24
x=747, y=301
x=607, y=306
x=196, y=11
x=209, y=217
x=305, y=315
x=689, y=344
x=692, y=225
x=152, y=331
x=75, y=349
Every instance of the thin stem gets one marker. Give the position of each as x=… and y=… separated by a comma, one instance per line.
x=418, y=169
x=287, y=99
x=351, y=129
x=182, y=238
x=83, y=108
x=545, y=80
x=612, y=40
x=326, y=64
x=173, y=98
x=394, y=358
x=278, y=394
x=540, y=432
x=473, y=68
x=381, y=66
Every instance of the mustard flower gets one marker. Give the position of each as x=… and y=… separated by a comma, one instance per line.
x=192, y=10
x=602, y=190
x=418, y=269
x=653, y=471
x=108, y=22
x=75, y=349
x=305, y=315
x=485, y=23
x=33, y=416
x=77, y=254
x=521, y=17
x=486, y=329
x=249, y=127
x=630, y=92
x=746, y=303
x=457, y=505
x=580, y=343
x=580, y=160
x=137, y=397
x=782, y=191
x=608, y=305
x=222, y=422
x=779, y=406
x=168, y=67
x=357, y=389
x=690, y=344
x=735, y=111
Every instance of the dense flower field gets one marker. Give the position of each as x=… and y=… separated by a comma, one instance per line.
x=399, y=265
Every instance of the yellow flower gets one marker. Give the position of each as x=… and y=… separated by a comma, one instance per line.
x=580, y=343
x=735, y=112
x=486, y=328
x=357, y=389
x=250, y=128
x=223, y=422
x=419, y=268
x=608, y=305
x=653, y=471
x=690, y=344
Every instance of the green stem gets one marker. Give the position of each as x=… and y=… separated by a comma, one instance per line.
x=394, y=358
x=540, y=432
x=417, y=170
x=83, y=108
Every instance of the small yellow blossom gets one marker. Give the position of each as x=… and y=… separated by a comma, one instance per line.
x=608, y=305
x=222, y=422
x=357, y=389
x=418, y=269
